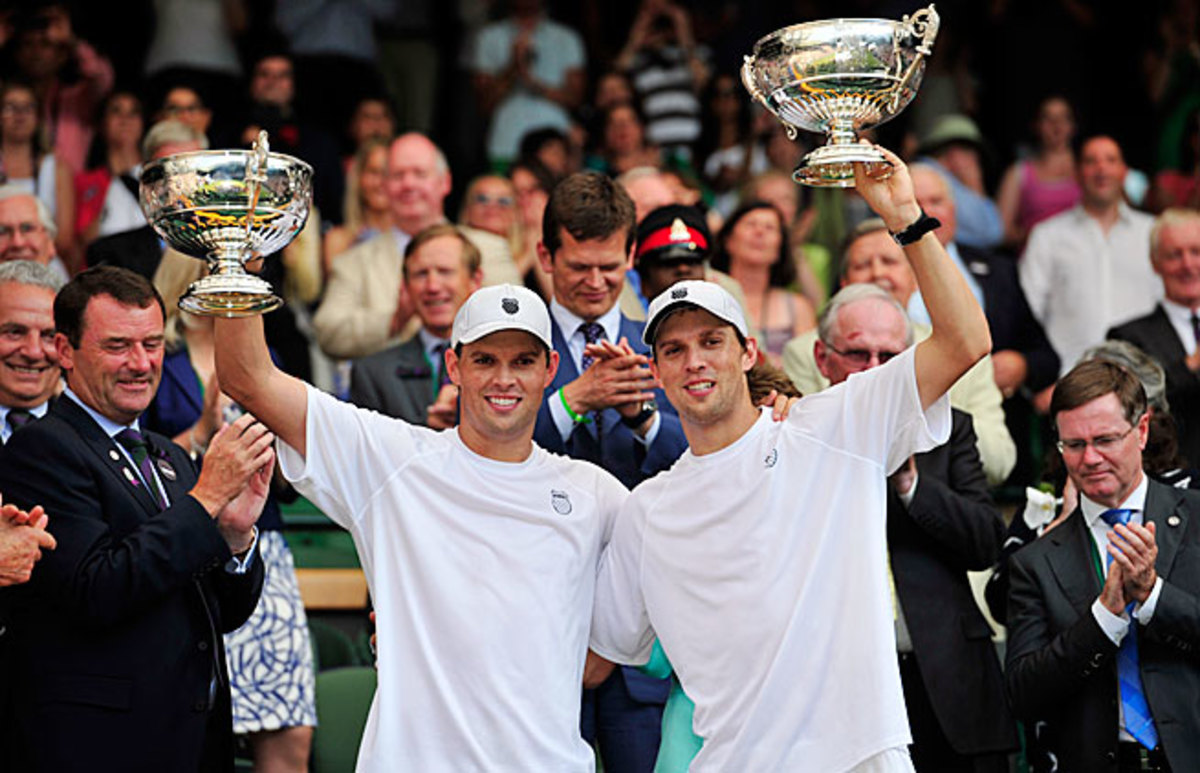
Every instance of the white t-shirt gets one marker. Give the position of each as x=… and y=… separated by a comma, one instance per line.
x=762, y=568
x=483, y=575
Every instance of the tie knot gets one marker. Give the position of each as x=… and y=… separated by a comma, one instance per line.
x=132, y=440
x=1116, y=515
x=592, y=332
x=18, y=417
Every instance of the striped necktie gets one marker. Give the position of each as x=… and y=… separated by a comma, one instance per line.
x=139, y=449
x=1138, y=721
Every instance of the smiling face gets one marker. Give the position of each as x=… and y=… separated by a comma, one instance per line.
x=1106, y=477
x=118, y=364
x=371, y=181
x=702, y=366
x=755, y=238
x=22, y=235
x=28, y=361
x=491, y=205
x=438, y=282
x=417, y=183
x=876, y=258
x=1177, y=261
x=18, y=114
x=588, y=275
x=501, y=378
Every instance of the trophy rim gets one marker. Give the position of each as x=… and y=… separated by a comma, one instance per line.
x=217, y=152
x=778, y=33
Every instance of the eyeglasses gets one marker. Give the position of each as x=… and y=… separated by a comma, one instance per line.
x=484, y=198
x=25, y=229
x=1104, y=444
x=862, y=357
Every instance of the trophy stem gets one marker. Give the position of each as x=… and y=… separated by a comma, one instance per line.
x=841, y=132
x=228, y=291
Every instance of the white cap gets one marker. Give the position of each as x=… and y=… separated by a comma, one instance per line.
x=694, y=293
x=501, y=307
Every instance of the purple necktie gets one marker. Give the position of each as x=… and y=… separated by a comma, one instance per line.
x=139, y=449
x=592, y=333
x=17, y=418
x=1196, y=328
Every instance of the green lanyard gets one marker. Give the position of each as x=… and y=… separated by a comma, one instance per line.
x=1095, y=554
x=435, y=371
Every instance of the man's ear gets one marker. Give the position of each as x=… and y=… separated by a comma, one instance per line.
x=750, y=356
x=551, y=371
x=452, y=368
x=545, y=258
x=821, y=355
x=66, y=352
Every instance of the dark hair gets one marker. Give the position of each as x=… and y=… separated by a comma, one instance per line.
x=589, y=206
x=532, y=142
x=546, y=179
x=97, y=155
x=783, y=270
x=1093, y=379
x=763, y=377
x=124, y=286
x=470, y=253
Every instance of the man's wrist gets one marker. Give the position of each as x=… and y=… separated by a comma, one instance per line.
x=916, y=229
x=577, y=417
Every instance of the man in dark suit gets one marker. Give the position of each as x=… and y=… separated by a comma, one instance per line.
x=604, y=406
x=1170, y=333
x=1103, y=622
x=941, y=524
x=118, y=633
x=409, y=381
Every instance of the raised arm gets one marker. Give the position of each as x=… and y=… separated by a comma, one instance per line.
x=247, y=375
x=960, y=333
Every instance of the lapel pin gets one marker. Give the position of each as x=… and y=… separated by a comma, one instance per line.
x=114, y=456
x=129, y=475
x=166, y=469
x=1173, y=520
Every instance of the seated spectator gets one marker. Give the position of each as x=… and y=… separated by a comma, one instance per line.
x=185, y=105
x=1171, y=333
x=106, y=195
x=955, y=148
x=364, y=308
x=753, y=249
x=270, y=659
x=622, y=145
x=372, y=121
x=490, y=204
x=409, y=381
x=528, y=73
x=815, y=272
x=26, y=164
x=872, y=255
x=728, y=154
x=673, y=244
x=1040, y=187
x=366, y=211
x=27, y=230
x=553, y=149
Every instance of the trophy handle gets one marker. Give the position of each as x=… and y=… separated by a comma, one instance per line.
x=924, y=25
x=756, y=93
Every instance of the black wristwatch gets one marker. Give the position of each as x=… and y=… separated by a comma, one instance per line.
x=633, y=422
x=921, y=226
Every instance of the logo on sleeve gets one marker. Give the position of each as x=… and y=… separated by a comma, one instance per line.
x=560, y=502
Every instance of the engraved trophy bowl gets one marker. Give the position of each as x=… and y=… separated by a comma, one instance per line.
x=228, y=207
x=839, y=76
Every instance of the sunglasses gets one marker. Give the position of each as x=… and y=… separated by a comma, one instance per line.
x=862, y=357
x=484, y=198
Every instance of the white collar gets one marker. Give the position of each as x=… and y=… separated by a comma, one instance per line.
x=1136, y=501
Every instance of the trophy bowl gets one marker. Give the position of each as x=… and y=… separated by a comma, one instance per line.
x=227, y=207
x=840, y=76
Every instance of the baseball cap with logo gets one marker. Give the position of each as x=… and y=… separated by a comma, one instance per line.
x=501, y=307
x=695, y=294
x=673, y=232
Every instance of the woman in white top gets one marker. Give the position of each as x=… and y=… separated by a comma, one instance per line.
x=25, y=163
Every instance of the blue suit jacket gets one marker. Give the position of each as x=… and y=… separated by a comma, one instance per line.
x=615, y=449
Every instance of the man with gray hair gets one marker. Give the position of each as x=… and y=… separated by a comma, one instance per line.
x=1171, y=333
x=29, y=374
x=941, y=522
x=27, y=230
x=140, y=249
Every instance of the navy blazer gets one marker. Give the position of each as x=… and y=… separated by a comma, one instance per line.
x=614, y=448
x=1062, y=667
x=1155, y=335
x=118, y=634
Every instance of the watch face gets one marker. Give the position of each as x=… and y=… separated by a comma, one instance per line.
x=650, y=405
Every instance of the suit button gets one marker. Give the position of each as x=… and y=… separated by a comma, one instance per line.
x=1110, y=756
x=203, y=646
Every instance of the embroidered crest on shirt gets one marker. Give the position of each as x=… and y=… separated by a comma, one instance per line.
x=560, y=502
x=770, y=459
x=510, y=305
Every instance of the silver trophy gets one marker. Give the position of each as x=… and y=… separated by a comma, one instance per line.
x=840, y=76
x=228, y=207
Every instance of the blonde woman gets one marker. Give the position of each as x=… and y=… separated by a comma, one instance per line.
x=366, y=210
